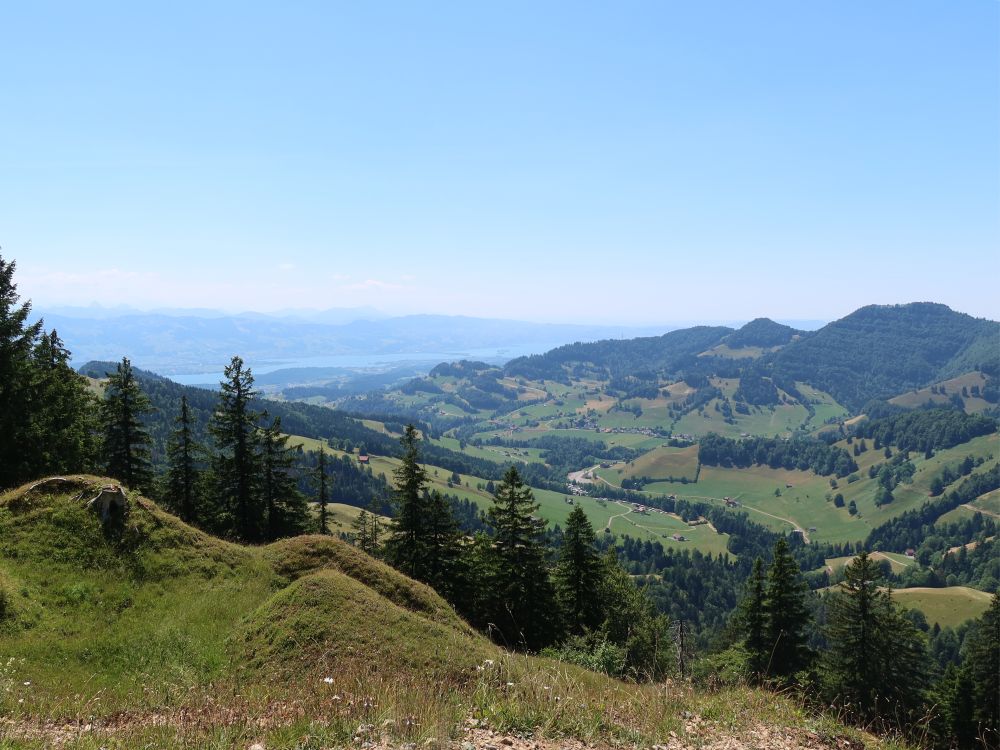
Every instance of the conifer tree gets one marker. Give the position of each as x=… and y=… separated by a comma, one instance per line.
x=286, y=510
x=62, y=432
x=235, y=468
x=753, y=622
x=406, y=548
x=786, y=614
x=322, y=492
x=17, y=339
x=876, y=661
x=361, y=530
x=982, y=664
x=182, y=478
x=522, y=602
x=632, y=624
x=126, y=440
x=443, y=547
x=367, y=528
x=578, y=575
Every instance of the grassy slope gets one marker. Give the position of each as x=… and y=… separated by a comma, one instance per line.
x=805, y=503
x=946, y=606
x=973, y=405
x=157, y=635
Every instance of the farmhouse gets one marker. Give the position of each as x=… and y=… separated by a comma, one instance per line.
x=363, y=458
x=910, y=552
x=678, y=538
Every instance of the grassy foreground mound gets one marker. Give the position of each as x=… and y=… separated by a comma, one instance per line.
x=141, y=631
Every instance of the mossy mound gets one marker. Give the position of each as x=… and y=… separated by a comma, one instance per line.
x=303, y=555
x=49, y=521
x=328, y=622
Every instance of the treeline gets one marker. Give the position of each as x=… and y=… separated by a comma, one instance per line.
x=612, y=358
x=342, y=430
x=805, y=454
x=925, y=429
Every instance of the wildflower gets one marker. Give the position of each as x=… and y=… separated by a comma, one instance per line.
x=328, y=680
x=27, y=683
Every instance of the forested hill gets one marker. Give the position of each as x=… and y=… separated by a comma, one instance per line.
x=882, y=350
x=876, y=352
x=611, y=357
x=762, y=332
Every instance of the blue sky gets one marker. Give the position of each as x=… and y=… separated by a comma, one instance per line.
x=620, y=162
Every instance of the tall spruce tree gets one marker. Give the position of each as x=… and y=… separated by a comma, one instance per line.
x=753, y=621
x=522, y=604
x=183, y=475
x=126, y=440
x=578, y=575
x=62, y=434
x=320, y=479
x=786, y=615
x=443, y=546
x=17, y=339
x=285, y=508
x=236, y=465
x=406, y=547
x=876, y=661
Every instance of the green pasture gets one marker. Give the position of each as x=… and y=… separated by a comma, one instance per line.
x=949, y=606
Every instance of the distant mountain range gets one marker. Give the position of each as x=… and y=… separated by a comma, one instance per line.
x=875, y=352
x=178, y=341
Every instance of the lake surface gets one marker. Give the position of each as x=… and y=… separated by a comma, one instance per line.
x=492, y=355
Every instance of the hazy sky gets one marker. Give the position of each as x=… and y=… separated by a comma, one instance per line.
x=602, y=162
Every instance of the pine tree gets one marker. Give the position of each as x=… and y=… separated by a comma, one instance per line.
x=182, y=478
x=406, y=548
x=126, y=440
x=876, y=661
x=361, y=530
x=522, y=602
x=752, y=621
x=578, y=575
x=17, y=339
x=285, y=508
x=235, y=468
x=322, y=492
x=786, y=614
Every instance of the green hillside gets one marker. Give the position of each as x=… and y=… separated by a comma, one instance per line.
x=879, y=351
x=949, y=606
x=141, y=631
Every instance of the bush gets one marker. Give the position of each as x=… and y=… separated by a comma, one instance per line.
x=589, y=652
